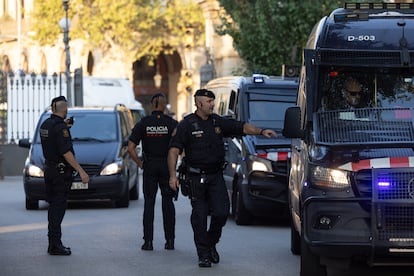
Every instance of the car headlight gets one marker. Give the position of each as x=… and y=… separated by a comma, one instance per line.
x=260, y=164
x=112, y=168
x=329, y=178
x=35, y=171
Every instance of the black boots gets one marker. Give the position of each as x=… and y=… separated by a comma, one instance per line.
x=215, y=257
x=169, y=244
x=59, y=250
x=147, y=246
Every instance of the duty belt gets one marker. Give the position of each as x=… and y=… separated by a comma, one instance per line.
x=193, y=170
x=54, y=164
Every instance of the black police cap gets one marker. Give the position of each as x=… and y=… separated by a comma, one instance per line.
x=160, y=94
x=58, y=99
x=205, y=93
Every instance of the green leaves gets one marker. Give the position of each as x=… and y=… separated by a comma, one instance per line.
x=137, y=27
x=270, y=33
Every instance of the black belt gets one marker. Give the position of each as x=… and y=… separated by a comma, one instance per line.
x=54, y=164
x=203, y=171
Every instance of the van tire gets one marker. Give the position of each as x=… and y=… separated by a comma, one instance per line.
x=310, y=263
x=241, y=215
x=32, y=204
x=294, y=240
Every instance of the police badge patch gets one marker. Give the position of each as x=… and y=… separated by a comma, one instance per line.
x=65, y=133
x=217, y=130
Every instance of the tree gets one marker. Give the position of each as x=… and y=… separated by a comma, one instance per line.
x=135, y=28
x=270, y=33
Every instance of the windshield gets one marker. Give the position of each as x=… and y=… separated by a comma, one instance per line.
x=269, y=110
x=351, y=87
x=366, y=105
x=100, y=127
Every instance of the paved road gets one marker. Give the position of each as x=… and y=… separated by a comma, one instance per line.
x=107, y=241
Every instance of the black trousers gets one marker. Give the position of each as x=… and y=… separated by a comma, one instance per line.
x=156, y=175
x=210, y=198
x=56, y=195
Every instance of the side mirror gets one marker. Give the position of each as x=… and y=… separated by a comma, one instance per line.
x=292, y=125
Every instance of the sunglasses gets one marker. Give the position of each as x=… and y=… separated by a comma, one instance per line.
x=353, y=93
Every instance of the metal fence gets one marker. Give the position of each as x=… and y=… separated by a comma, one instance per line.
x=23, y=98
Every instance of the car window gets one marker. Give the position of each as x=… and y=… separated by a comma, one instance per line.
x=89, y=127
x=100, y=126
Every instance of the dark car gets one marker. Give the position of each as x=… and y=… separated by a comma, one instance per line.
x=100, y=136
x=257, y=171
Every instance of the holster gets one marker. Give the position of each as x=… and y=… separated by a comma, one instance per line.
x=187, y=186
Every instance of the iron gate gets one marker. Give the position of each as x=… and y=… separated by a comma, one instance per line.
x=23, y=98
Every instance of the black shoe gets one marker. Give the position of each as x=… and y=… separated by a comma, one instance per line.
x=59, y=250
x=147, y=246
x=169, y=244
x=49, y=247
x=204, y=262
x=215, y=257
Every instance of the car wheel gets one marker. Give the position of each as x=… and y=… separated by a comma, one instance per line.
x=310, y=263
x=133, y=193
x=123, y=202
x=241, y=215
x=32, y=204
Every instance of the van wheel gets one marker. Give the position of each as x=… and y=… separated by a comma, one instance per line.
x=32, y=204
x=123, y=202
x=241, y=215
x=133, y=193
x=294, y=240
x=309, y=262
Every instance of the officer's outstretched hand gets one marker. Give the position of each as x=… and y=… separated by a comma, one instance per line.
x=269, y=133
x=174, y=184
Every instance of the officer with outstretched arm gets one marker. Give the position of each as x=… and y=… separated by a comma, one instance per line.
x=200, y=136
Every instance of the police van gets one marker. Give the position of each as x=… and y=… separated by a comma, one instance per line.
x=256, y=174
x=351, y=183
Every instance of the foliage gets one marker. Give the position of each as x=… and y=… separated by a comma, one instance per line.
x=270, y=33
x=138, y=28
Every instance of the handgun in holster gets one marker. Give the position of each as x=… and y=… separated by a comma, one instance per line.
x=187, y=188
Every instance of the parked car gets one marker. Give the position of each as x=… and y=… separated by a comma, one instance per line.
x=100, y=136
x=256, y=174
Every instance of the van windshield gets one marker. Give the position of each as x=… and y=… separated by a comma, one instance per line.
x=358, y=106
x=269, y=110
x=95, y=127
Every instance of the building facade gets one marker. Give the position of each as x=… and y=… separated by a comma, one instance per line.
x=20, y=53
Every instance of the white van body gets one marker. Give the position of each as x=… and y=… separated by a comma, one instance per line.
x=98, y=91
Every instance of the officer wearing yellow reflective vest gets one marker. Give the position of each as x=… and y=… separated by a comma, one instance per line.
x=155, y=132
x=200, y=136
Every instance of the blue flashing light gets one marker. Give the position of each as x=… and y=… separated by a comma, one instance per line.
x=384, y=184
x=258, y=78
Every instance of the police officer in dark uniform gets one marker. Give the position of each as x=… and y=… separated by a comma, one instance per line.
x=155, y=132
x=200, y=136
x=59, y=164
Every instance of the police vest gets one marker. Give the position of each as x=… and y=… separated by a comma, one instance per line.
x=205, y=149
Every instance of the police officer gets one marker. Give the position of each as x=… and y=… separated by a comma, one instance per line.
x=200, y=136
x=59, y=164
x=155, y=132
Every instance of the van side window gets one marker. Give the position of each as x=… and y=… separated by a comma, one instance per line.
x=232, y=102
x=124, y=126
